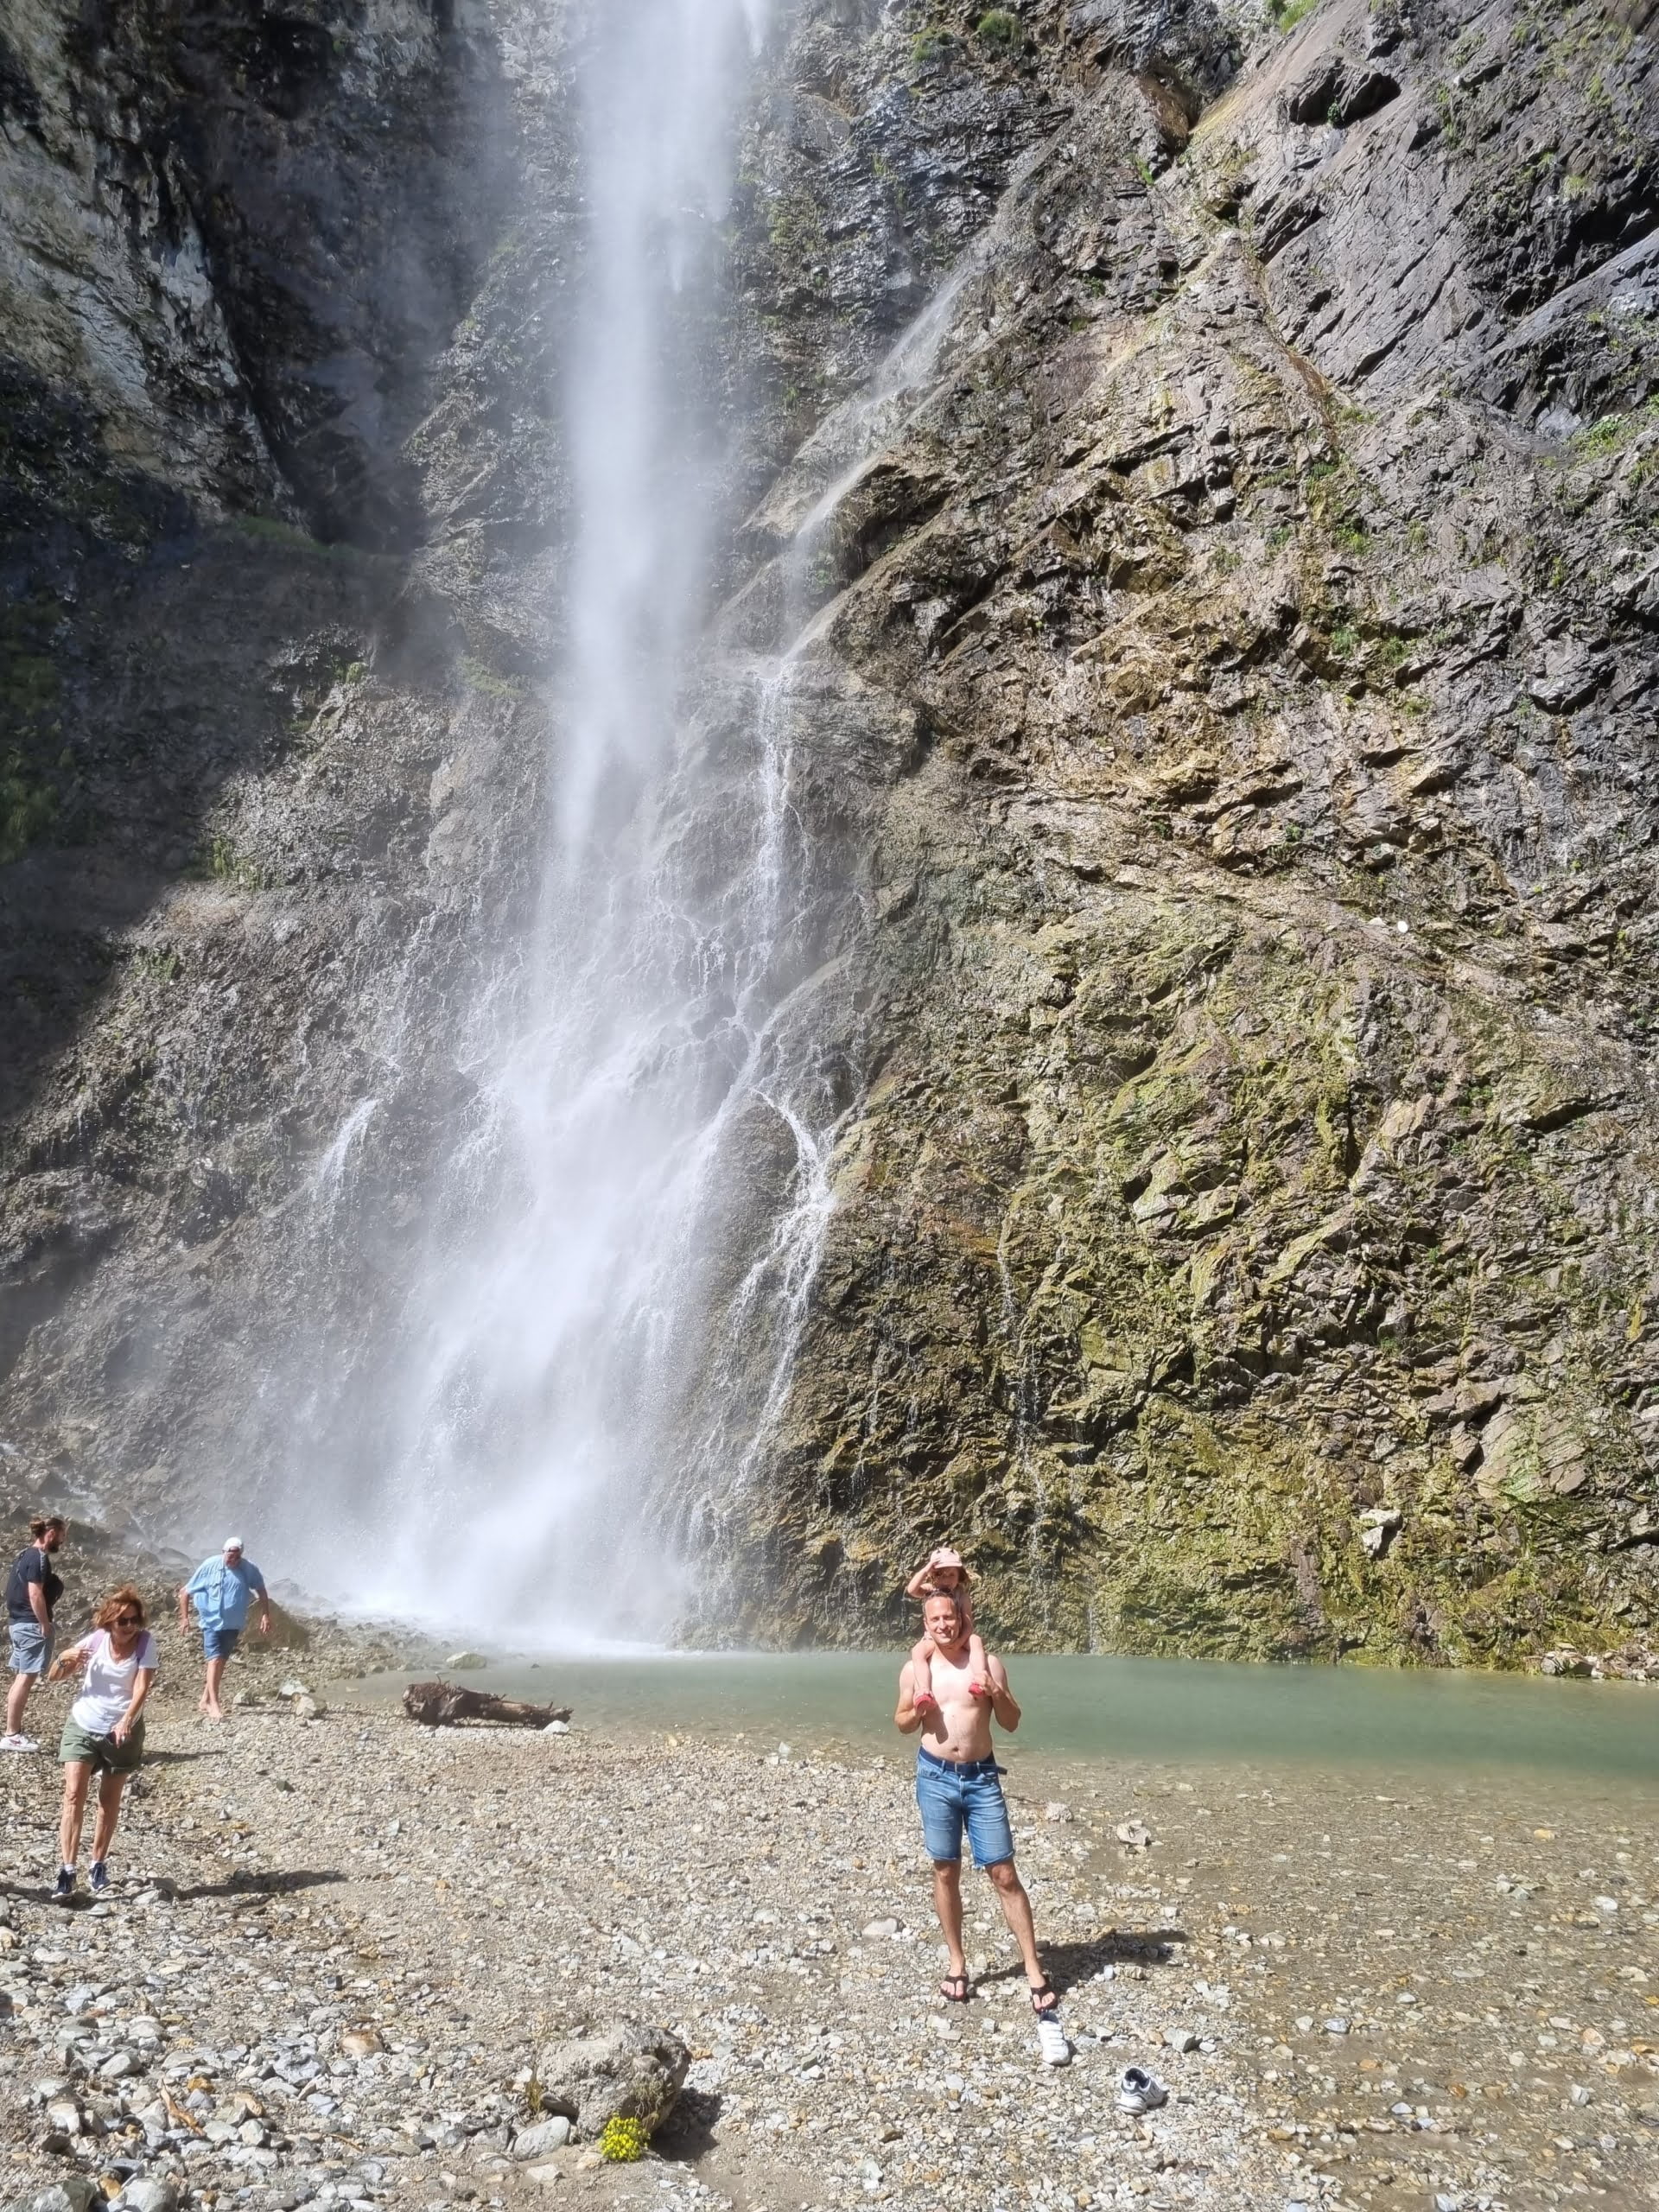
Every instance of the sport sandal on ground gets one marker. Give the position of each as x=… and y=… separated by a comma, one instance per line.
x=1139, y=2092
x=1051, y=2040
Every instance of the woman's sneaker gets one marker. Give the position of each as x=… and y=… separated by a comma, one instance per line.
x=1051, y=2040
x=100, y=1879
x=66, y=1888
x=18, y=1744
x=1139, y=2092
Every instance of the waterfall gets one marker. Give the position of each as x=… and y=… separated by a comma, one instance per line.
x=614, y=1053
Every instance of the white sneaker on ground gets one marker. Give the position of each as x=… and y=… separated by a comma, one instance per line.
x=1051, y=2040
x=18, y=1744
x=1140, y=2091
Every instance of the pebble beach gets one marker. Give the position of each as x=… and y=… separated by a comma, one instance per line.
x=339, y=1944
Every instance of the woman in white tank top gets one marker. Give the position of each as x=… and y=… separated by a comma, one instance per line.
x=105, y=1733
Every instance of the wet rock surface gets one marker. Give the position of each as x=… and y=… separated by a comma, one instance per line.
x=1231, y=1245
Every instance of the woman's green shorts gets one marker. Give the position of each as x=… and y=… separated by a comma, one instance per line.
x=107, y=1756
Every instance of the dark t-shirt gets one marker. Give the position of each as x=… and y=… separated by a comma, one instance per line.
x=33, y=1564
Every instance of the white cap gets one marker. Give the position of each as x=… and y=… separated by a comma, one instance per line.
x=232, y=1544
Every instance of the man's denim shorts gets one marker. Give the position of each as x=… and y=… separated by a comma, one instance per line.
x=220, y=1642
x=953, y=1798
x=31, y=1648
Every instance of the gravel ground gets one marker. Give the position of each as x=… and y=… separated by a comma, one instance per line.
x=337, y=1944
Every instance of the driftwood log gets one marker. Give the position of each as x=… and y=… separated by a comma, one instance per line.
x=441, y=1705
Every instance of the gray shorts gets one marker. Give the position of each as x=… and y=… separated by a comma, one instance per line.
x=31, y=1648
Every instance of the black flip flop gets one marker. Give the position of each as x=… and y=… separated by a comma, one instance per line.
x=960, y=1993
x=1037, y=1991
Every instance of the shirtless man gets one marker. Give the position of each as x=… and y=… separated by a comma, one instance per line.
x=956, y=1788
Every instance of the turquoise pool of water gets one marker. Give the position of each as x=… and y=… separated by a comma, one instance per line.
x=1173, y=1711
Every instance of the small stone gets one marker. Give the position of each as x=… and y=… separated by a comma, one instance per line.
x=292, y=1689
x=118, y=2066
x=556, y=1728
x=307, y=1708
x=63, y=2115
x=361, y=2043
x=543, y=2177
x=1135, y=1833
x=148, y=2193
x=540, y=2137
x=1181, y=2039
x=878, y=1928
x=1056, y=1811
x=466, y=1660
x=1336, y=2027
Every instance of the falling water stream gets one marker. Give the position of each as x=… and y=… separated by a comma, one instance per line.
x=612, y=1050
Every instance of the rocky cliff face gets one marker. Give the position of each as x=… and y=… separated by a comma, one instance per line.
x=1228, y=721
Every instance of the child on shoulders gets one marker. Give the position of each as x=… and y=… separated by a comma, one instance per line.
x=942, y=1574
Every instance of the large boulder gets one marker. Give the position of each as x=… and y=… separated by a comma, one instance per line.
x=630, y=2070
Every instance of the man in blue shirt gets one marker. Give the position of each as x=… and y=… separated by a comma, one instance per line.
x=223, y=1589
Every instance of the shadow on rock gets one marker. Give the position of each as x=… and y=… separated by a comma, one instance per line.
x=258, y=1885
x=688, y=2131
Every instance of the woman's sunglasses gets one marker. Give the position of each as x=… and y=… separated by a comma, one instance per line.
x=128, y=1620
